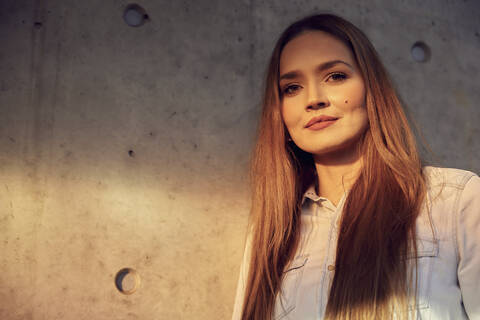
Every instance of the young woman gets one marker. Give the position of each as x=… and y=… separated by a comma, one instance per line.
x=345, y=221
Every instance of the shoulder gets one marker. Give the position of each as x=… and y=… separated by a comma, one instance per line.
x=437, y=177
x=452, y=190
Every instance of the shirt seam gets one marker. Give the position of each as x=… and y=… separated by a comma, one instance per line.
x=457, y=208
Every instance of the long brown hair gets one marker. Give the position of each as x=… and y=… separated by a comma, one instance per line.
x=378, y=221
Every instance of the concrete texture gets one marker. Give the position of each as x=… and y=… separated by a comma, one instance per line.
x=128, y=147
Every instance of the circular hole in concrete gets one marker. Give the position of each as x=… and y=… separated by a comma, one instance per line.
x=420, y=51
x=134, y=15
x=127, y=281
x=131, y=153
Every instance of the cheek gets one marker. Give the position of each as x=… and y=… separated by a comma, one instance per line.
x=359, y=120
x=290, y=115
x=350, y=97
x=363, y=117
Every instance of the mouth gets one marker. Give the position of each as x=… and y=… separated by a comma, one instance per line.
x=320, y=122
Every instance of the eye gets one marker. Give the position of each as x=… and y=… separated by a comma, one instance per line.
x=290, y=89
x=337, y=76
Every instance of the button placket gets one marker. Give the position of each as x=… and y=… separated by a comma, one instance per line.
x=333, y=251
x=335, y=225
x=330, y=256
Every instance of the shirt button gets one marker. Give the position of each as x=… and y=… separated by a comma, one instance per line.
x=331, y=267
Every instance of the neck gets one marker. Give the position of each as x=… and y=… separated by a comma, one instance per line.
x=336, y=174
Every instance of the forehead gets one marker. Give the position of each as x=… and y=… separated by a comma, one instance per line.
x=312, y=48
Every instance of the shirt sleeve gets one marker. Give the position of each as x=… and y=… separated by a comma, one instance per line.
x=468, y=239
x=242, y=282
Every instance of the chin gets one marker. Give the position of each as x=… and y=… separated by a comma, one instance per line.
x=341, y=149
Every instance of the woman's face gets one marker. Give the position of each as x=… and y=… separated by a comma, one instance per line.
x=323, y=94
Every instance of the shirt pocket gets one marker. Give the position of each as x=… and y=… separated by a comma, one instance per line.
x=427, y=254
x=285, y=301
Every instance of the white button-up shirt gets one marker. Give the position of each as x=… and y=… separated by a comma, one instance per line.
x=448, y=257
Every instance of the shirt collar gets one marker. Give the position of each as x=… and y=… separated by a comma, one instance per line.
x=311, y=194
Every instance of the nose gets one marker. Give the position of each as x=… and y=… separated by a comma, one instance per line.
x=317, y=98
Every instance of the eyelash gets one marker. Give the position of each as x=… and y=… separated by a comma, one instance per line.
x=289, y=87
x=343, y=76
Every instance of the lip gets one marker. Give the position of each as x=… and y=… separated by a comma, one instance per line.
x=320, y=122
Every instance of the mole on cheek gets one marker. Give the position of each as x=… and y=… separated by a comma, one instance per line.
x=346, y=101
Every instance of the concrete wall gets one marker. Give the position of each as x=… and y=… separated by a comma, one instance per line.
x=128, y=147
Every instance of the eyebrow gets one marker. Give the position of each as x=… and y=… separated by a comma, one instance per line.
x=322, y=67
